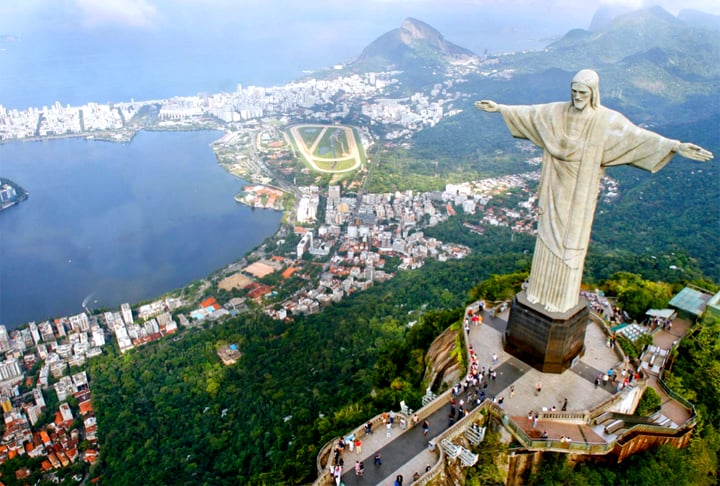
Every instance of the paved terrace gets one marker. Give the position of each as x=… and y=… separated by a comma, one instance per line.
x=406, y=451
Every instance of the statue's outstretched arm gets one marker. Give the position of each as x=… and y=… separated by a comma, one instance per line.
x=487, y=105
x=692, y=151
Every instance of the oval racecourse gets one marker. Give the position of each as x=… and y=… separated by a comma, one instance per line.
x=331, y=149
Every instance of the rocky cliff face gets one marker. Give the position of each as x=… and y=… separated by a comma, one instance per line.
x=442, y=367
x=413, y=32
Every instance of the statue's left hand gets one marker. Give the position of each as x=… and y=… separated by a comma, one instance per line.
x=694, y=152
x=487, y=105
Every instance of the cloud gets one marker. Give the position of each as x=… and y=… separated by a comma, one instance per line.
x=125, y=13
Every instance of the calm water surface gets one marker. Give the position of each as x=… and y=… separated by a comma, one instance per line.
x=118, y=222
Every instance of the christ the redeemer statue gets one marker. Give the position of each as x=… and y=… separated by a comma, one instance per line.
x=579, y=139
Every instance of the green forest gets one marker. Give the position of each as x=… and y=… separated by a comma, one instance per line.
x=177, y=414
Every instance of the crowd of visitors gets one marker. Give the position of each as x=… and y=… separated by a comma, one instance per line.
x=477, y=386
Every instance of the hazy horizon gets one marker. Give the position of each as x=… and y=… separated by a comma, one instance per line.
x=78, y=51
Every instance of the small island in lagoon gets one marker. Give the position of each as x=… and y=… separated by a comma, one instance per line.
x=11, y=194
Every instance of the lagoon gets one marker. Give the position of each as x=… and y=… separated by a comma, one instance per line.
x=119, y=222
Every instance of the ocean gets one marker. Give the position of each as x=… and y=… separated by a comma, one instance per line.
x=37, y=71
x=117, y=222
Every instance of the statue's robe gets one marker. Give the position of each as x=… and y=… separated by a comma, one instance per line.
x=569, y=186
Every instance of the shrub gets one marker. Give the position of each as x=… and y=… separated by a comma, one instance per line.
x=649, y=402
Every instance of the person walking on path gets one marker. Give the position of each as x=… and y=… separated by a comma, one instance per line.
x=426, y=428
x=564, y=407
x=378, y=459
x=538, y=388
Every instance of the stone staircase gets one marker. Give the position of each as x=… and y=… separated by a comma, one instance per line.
x=475, y=434
x=453, y=451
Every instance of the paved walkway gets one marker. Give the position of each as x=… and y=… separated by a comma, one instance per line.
x=666, y=339
x=405, y=451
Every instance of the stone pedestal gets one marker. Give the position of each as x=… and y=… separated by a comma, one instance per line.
x=547, y=341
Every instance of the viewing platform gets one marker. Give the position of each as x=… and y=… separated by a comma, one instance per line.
x=598, y=418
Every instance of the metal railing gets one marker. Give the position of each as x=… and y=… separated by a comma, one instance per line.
x=677, y=397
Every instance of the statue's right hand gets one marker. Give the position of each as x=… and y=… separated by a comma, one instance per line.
x=486, y=105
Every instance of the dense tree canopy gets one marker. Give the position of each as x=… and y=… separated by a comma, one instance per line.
x=636, y=295
x=173, y=411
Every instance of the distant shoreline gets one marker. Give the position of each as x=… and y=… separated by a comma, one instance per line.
x=117, y=137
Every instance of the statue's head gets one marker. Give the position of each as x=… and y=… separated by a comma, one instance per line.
x=585, y=89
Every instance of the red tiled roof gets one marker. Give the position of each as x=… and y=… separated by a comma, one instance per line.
x=288, y=272
x=44, y=437
x=208, y=302
x=259, y=291
x=85, y=407
x=22, y=473
x=90, y=455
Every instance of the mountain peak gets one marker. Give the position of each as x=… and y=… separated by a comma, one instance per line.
x=413, y=43
x=413, y=30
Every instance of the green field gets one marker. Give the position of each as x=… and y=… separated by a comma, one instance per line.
x=332, y=138
x=309, y=134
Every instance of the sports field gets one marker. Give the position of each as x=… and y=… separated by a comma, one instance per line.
x=328, y=148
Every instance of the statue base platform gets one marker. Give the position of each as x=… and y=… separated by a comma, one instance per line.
x=548, y=341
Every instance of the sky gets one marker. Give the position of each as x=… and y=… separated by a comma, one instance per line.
x=324, y=20
x=68, y=42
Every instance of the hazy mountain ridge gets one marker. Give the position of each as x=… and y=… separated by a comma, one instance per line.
x=641, y=53
x=644, y=51
x=697, y=18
